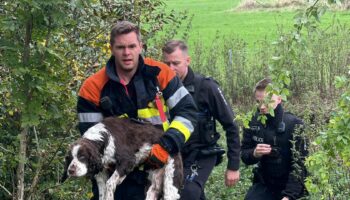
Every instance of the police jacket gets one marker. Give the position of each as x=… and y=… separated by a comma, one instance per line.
x=281, y=169
x=137, y=100
x=212, y=106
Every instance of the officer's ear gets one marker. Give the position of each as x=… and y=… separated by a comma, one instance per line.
x=188, y=60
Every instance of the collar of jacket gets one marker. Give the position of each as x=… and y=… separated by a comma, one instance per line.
x=189, y=77
x=272, y=121
x=142, y=70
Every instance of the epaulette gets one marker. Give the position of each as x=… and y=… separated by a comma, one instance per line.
x=211, y=79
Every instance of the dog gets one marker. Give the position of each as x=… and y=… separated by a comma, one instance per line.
x=116, y=146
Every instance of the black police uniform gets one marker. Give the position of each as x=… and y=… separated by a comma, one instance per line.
x=201, y=152
x=275, y=176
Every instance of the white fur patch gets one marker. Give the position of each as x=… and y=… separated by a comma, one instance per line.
x=95, y=132
x=143, y=153
x=170, y=191
x=112, y=183
x=108, y=154
x=156, y=178
x=79, y=168
x=101, y=179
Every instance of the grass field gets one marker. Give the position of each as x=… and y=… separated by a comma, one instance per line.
x=211, y=17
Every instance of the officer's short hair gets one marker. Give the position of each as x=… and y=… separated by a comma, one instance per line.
x=172, y=45
x=262, y=84
x=124, y=27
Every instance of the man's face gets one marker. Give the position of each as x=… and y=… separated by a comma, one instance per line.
x=260, y=96
x=178, y=61
x=126, y=50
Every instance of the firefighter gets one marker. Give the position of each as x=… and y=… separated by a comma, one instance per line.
x=136, y=87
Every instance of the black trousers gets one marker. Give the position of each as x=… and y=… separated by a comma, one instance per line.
x=260, y=191
x=194, y=186
x=132, y=188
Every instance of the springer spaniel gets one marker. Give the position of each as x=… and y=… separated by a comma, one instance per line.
x=116, y=146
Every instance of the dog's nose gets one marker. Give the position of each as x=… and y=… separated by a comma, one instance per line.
x=71, y=171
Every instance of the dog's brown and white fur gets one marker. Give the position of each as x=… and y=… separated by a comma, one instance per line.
x=116, y=146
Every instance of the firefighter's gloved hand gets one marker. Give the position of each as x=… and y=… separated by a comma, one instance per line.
x=158, y=157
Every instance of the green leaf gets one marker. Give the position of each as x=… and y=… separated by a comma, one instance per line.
x=340, y=81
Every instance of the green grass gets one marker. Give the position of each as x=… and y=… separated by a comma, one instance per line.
x=211, y=17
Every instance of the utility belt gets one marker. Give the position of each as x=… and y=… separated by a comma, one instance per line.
x=206, y=130
x=192, y=156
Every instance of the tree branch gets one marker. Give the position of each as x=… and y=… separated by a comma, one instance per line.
x=6, y=190
x=6, y=150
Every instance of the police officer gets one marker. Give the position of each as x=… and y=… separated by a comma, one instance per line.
x=136, y=87
x=279, y=173
x=201, y=153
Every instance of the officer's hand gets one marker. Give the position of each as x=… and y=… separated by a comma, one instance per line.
x=285, y=198
x=262, y=149
x=231, y=177
x=158, y=157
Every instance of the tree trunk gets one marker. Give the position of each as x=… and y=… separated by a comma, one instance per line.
x=24, y=133
x=22, y=158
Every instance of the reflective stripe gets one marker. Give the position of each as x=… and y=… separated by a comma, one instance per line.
x=150, y=114
x=153, y=120
x=90, y=117
x=183, y=125
x=176, y=97
x=123, y=116
x=165, y=126
x=147, y=113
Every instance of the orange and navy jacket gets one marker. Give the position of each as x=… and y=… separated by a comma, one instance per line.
x=177, y=102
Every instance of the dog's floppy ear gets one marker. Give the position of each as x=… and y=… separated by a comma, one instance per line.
x=68, y=160
x=95, y=165
x=94, y=161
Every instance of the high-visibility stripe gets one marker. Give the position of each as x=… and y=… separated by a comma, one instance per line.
x=152, y=115
x=147, y=113
x=176, y=97
x=90, y=117
x=183, y=125
x=153, y=120
x=123, y=116
x=165, y=125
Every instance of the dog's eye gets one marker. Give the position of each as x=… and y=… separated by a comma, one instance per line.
x=81, y=157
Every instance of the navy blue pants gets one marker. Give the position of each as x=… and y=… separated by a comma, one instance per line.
x=194, y=187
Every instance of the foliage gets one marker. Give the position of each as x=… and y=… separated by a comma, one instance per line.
x=330, y=164
x=47, y=49
x=304, y=63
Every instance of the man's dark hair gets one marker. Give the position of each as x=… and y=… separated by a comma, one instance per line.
x=262, y=84
x=172, y=45
x=124, y=27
